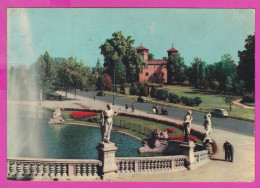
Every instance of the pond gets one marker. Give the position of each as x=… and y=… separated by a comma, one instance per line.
x=30, y=137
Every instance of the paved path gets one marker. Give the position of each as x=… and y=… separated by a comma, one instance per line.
x=237, y=102
x=241, y=170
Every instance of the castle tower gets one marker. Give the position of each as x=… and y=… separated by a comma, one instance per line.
x=172, y=51
x=143, y=52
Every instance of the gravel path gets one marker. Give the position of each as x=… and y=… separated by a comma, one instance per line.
x=237, y=102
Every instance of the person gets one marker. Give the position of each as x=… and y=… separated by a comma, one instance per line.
x=126, y=105
x=94, y=96
x=154, y=109
x=230, y=152
x=225, y=147
x=187, y=126
x=157, y=109
x=107, y=122
x=133, y=107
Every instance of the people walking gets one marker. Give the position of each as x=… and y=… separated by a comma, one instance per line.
x=154, y=109
x=157, y=109
x=126, y=106
x=133, y=107
x=225, y=147
x=230, y=152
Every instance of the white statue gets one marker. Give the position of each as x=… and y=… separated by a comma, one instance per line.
x=107, y=122
x=187, y=126
x=207, y=125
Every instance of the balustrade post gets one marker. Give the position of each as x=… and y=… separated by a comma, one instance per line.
x=45, y=170
x=19, y=170
x=71, y=170
x=39, y=169
x=89, y=170
x=52, y=175
x=188, y=150
x=33, y=169
x=95, y=170
x=84, y=170
x=11, y=169
x=64, y=170
x=136, y=166
x=25, y=169
x=130, y=166
x=58, y=170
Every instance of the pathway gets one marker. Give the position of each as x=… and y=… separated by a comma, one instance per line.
x=237, y=102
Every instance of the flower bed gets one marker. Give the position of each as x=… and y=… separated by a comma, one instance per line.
x=181, y=138
x=81, y=115
x=170, y=130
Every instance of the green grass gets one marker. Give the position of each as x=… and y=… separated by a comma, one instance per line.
x=145, y=123
x=210, y=100
x=249, y=104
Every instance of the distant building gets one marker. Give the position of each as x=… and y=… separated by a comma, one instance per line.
x=155, y=70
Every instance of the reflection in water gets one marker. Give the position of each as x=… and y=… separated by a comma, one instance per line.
x=35, y=138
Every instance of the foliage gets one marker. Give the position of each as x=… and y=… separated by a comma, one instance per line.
x=197, y=73
x=162, y=94
x=173, y=98
x=150, y=56
x=153, y=92
x=197, y=101
x=170, y=130
x=122, y=89
x=229, y=100
x=181, y=138
x=100, y=84
x=132, y=89
x=108, y=85
x=176, y=68
x=246, y=64
x=184, y=100
x=120, y=48
x=248, y=98
x=120, y=73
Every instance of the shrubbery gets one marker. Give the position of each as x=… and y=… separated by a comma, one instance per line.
x=153, y=92
x=173, y=98
x=249, y=98
x=162, y=94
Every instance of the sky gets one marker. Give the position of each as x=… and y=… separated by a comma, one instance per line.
x=78, y=32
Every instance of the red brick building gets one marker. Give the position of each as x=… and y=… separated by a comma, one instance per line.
x=155, y=70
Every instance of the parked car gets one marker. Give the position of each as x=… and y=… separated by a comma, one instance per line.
x=219, y=113
x=101, y=93
x=142, y=99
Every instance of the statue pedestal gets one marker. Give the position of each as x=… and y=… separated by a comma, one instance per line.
x=188, y=150
x=208, y=142
x=106, y=153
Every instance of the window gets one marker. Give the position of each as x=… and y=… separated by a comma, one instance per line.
x=146, y=74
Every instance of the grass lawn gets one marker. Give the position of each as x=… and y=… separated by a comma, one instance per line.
x=94, y=120
x=210, y=100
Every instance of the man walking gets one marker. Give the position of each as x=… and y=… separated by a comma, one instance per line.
x=230, y=152
x=126, y=106
x=225, y=147
x=133, y=107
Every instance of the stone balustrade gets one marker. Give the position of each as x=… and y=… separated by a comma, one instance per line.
x=128, y=165
x=52, y=169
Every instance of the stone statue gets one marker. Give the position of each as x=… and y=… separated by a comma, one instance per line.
x=107, y=122
x=207, y=125
x=187, y=126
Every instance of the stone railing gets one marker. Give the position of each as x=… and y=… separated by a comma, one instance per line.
x=128, y=165
x=52, y=169
x=201, y=157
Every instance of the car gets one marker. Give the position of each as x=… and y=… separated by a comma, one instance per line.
x=142, y=99
x=219, y=113
x=101, y=93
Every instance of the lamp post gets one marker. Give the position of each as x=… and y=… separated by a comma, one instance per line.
x=114, y=98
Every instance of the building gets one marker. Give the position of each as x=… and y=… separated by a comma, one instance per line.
x=155, y=70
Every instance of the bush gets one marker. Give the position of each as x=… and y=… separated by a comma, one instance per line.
x=153, y=92
x=162, y=94
x=81, y=115
x=122, y=89
x=170, y=130
x=197, y=101
x=145, y=91
x=190, y=102
x=184, y=100
x=174, y=98
x=107, y=82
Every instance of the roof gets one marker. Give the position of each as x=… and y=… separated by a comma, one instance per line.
x=141, y=48
x=172, y=50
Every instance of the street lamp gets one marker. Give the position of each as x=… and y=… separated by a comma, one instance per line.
x=114, y=99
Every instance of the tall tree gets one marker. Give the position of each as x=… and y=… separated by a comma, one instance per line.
x=246, y=64
x=120, y=48
x=197, y=73
x=150, y=56
x=176, y=69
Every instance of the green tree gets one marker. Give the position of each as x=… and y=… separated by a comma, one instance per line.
x=246, y=64
x=120, y=48
x=120, y=73
x=150, y=56
x=176, y=69
x=197, y=72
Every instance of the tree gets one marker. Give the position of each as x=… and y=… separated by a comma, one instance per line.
x=120, y=48
x=176, y=69
x=197, y=73
x=107, y=82
x=120, y=73
x=246, y=64
x=224, y=69
x=150, y=56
